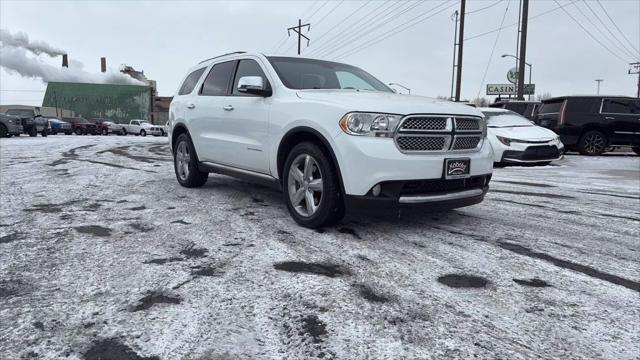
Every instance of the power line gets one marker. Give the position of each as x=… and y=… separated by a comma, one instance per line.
x=318, y=9
x=515, y=23
x=493, y=49
x=353, y=29
x=591, y=35
x=617, y=28
x=398, y=29
x=370, y=28
x=484, y=8
x=341, y=22
x=623, y=48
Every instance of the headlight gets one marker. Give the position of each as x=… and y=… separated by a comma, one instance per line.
x=370, y=124
x=504, y=140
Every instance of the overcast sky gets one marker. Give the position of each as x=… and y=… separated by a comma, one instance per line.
x=164, y=38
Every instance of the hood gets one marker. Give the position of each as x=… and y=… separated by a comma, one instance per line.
x=532, y=132
x=373, y=101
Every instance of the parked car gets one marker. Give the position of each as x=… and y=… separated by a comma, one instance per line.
x=593, y=124
x=142, y=128
x=81, y=126
x=58, y=126
x=524, y=108
x=10, y=125
x=332, y=136
x=32, y=122
x=516, y=139
x=106, y=127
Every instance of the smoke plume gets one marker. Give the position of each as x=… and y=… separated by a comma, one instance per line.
x=21, y=40
x=15, y=60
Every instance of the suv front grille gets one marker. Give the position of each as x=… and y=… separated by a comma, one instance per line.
x=437, y=133
x=466, y=142
x=421, y=143
x=424, y=123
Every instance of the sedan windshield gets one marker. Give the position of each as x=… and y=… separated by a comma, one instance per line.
x=504, y=119
x=301, y=74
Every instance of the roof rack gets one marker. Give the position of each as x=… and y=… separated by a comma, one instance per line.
x=215, y=57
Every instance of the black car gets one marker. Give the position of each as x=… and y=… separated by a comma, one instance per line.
x=524, y=108
x=593, y=124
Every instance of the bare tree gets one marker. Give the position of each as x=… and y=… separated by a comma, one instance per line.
x=544, y=96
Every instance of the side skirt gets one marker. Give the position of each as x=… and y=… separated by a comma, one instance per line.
x=251, y=176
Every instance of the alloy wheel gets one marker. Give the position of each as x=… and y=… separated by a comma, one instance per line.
x=305, y=185
x=594, y=144
x=183, y=157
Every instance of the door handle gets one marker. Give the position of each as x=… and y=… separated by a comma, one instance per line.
x=191, y=106
x=228, y=107
x=609, y=118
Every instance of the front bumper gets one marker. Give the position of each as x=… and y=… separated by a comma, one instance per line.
x=154, y=132
x=367, y=161
x=428, y=195
x=533, y=154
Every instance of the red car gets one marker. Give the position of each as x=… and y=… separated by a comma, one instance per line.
x=80, y=126
x=106, y=127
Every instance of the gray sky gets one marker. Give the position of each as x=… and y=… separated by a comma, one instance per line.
x=164, y=38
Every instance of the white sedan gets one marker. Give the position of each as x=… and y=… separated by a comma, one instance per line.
x=515, y=139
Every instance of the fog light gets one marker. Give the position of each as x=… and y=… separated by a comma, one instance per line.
x=376, y=190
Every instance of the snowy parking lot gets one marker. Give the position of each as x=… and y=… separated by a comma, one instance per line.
x=102, y=253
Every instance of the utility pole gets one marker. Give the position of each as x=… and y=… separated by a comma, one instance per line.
x=460, y=45
x=636, y=66
x=523, y=49
x=455, y=39
x=598, y=81
x=298, y=30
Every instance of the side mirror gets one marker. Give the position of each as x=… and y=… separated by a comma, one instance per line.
x=253, y=85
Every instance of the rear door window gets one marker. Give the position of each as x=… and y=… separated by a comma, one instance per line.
x=190, y=82
x=219, y=78
x=620, y=106
x=582, y=105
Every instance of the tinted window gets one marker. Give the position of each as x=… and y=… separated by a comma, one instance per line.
x=20, y=112
x=517, y=107
x=190, y=82
x=584, y=105
x=550, y=107
x=248, y=68
x=218, y=80
x=621, y=106
x=297, y=73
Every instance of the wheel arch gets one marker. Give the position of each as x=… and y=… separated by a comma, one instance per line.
x=304, y=133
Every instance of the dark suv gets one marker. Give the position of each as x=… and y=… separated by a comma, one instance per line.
x=524, y=108
x=592, y=124
x=81, y=126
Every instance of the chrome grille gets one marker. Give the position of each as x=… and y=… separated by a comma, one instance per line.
x=467, y=124
x=466, y=142
x=422, y=143
x=424, y=123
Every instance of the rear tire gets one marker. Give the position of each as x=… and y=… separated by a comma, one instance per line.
x=44, y=133
x=33, y=132
x=312, y=207
x=78, y=131
x=185, y=164
x=3, y=131
x=143, y=133
x=592, y=143
x=636, y=150
x=105, y=132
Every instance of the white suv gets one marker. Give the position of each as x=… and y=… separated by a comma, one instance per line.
x=332, y=136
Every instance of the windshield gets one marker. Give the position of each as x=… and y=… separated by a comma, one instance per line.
x=20, y=112
x=300, y=74
x=502, y=119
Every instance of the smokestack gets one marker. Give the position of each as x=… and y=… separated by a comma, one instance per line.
x=103, y=64
x=65, y=61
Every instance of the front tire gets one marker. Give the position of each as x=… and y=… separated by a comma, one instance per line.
x=311, y=187
x=185, y=164
x=592, y=143
x=3, y=131
x=78, y=131
x=44, y=133
x=636, y=149
x=105, y=132
x=33, y=132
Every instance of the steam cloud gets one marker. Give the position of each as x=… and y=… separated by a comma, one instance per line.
x=13, y=57
x=15, y=60
x=21, y=39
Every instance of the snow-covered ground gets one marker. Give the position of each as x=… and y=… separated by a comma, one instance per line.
x=102, y=253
